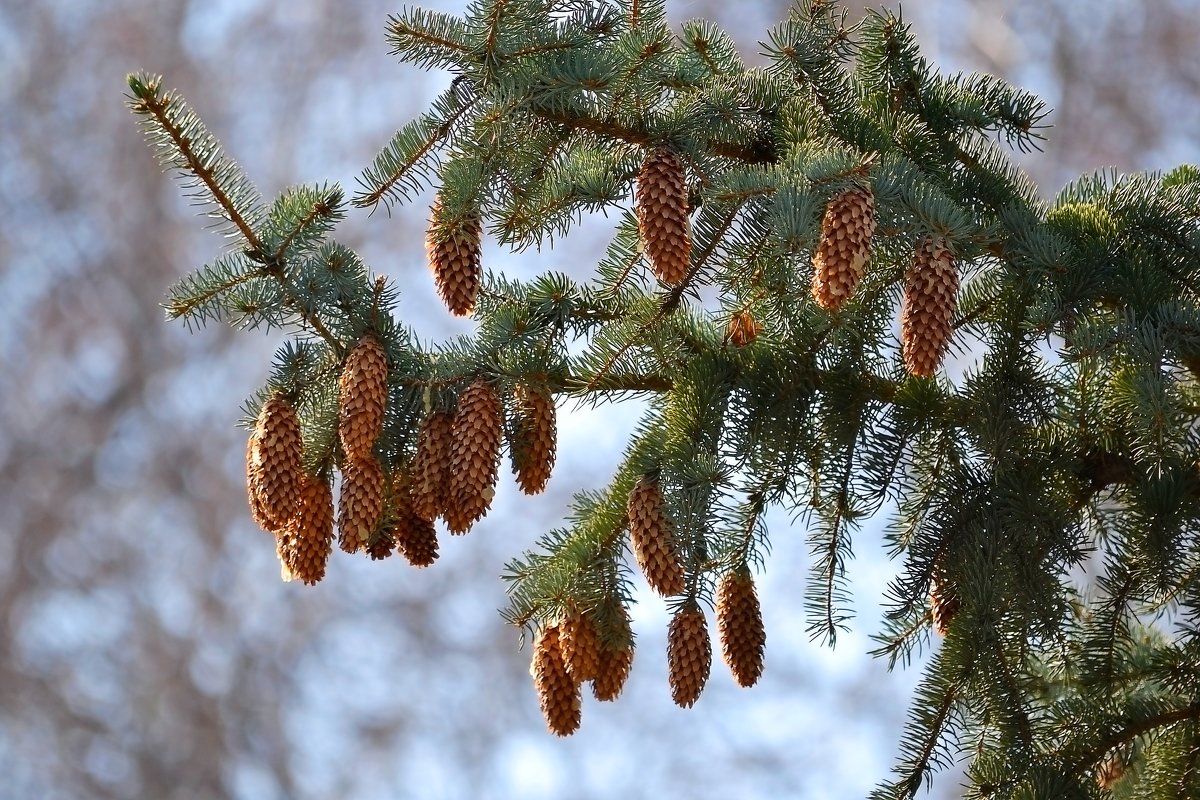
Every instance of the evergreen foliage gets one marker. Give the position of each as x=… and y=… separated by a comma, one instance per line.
x=1049, y=495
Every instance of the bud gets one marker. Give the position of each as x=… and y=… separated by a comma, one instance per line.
x=431, y=467
x=740, y=626
x=453, y=249
x=930, y=297
x=558, y=693
x=475, y=456
x=360, y=506
x=362, y=397
x=662, y=212
x=845, y=247
x=274, y=457
x=653, y=538
x=534, y=444
x=305, y=544
x=689, y=654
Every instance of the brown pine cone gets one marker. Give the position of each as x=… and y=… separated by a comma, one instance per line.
x=305, y=544
x=616, y=659
x=943, y=604
x=740, y=626
x=360, y=506
x=274, y=464
x=580, y=646
x=415, y=537
x=475, y=456
x=653, y=537
x=845, y=247
x=431, y=467
x=689, y=655
x=930, y=298
x=535, y=441
x=362, y=397
x=558, y=693
x=1110, y=770
x=742, y=329
x=453, y=249
x=662, y=212
x=382, y=545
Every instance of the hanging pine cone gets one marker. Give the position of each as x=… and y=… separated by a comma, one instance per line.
x=475, y=457
x=415, y=537
x=616, y=659
x=360, y=506
x=558, y=693
x=382, y=545
x=845, y=247
x=534, y=444
x=740, y=626
x=580, y=646
x=943, y=604
x=662, y=212
x=742, y=329
x=431, y=467
x=930, y=297
x=362, y=397
x=653, y=538
x=305, y=544
x=453, y=249
x=273, y=466
x=689, y=655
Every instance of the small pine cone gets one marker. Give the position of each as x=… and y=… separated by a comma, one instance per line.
x=740, y=626
x=533, y=450
x=662, y=212
x=616, y=659
x=743, y=329
x=431, y=467
x=360, y=506
x=943, y=604
x=415, y=536
x=453, y=249
x=689, y=655
x=558, y=693
x=580, y=646
x=930, y=297
x=845, y=247
x=1110, y=770
x=382, y=545
x=653, y=538
x=273, y=467
x=304, y=546
x=475, y=456
x=362, y=397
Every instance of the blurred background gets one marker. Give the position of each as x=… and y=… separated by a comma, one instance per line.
x=147, y=646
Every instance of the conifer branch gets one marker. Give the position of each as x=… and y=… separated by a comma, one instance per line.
x=1166, y=719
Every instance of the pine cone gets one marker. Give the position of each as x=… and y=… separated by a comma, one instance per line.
x=382, y=545
x=475, y=457
x=362, y=397
x=930, y=297
x=743, y=329
x=662, y=212
x=616, y=659
x=653, y=538
x=534, y=445
x=740, y=625
x=273, y=467
x=1110, y=770
x=304, y=546
x=431, y=467
x=558, y=693
x=689, y=655
x=845, y=248
x=415, y=537
x=360, y=506
x=943, y=604
x=453, y=248
x=580, y=646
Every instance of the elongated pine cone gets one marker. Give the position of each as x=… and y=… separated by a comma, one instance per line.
x=273, y=465
x=305, y=544
x=689, y=655
x=580, y=646
x=616, y=660
x=740, y=626
x=533, y=449
x=360, y=505
x=415, y=537
x=943, y=604
x=431, y=467
x=362, y=397
x=558, y=693
x=453, y=249
x=653, y=537
x=662, y=212
x=930, y=297
x=475, y=456
x=845, y=247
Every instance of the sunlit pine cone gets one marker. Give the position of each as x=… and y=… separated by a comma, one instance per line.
x=845, y=247
x=535, y=442
x=930, y=297
x=580, y=646
x=689, y=655
x=616, y=660
x=653, y=538
x=305, y=544
x=360, y=505
x=740, y=626
x=415, y=537
x=558, y=693
x=943, y=604
x=662, y=213
x=431, y=466
x=274, y=464
x=742, y=329
x=474, y=457
x=453, y=249
x=362, y=397
x=254, y=489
